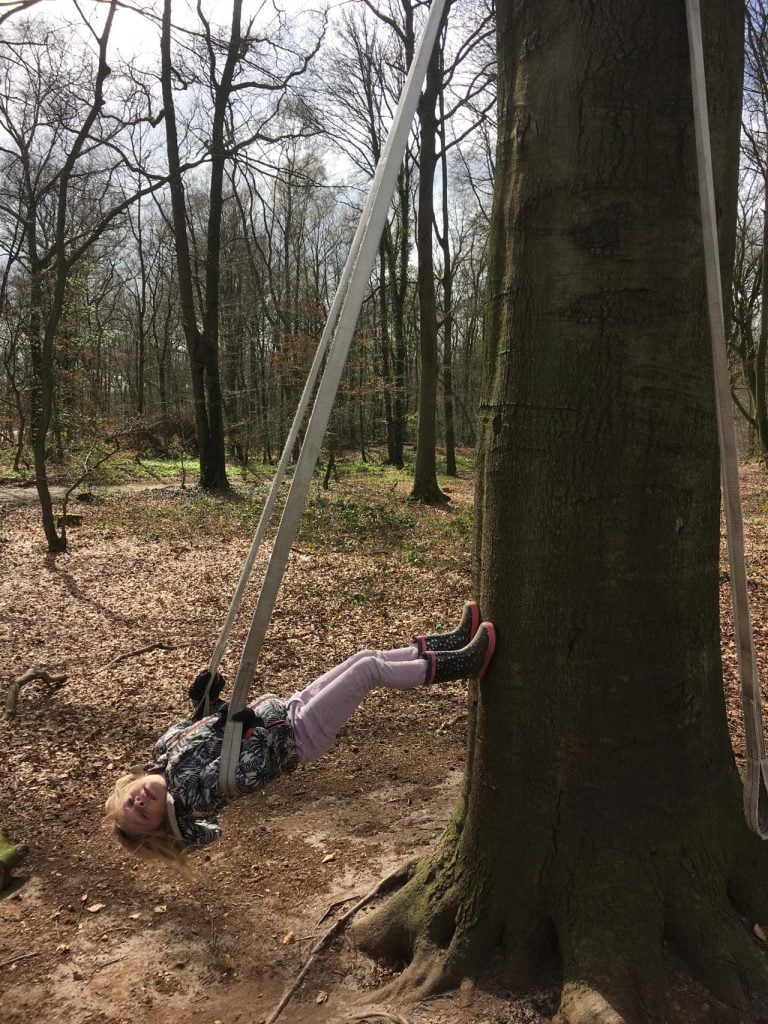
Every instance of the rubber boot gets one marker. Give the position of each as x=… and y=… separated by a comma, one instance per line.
x=197, y=694
x=460, y=637
x=472, y=660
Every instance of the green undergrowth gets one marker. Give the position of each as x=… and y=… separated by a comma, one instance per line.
x=124, y=467
x=366, y=509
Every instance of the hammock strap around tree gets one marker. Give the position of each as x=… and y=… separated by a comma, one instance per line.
x=356, y=275
x=756, y=781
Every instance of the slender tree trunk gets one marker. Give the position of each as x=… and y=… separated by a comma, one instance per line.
x=48, y=331
x=600, y=828
x=445, y=243
x=20, y=440
x=34, y=333
x=425, y=486
x=761, y=412
x=360, y=401
x=386, y=371
x=141, y=314
x=56, y=542
x=202, y=345
x=397, y=259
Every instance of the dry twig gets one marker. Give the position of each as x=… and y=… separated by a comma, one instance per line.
x=397, y=877
x=15, y=959
x=141, y=650
x=334, y=906
x=12, y=697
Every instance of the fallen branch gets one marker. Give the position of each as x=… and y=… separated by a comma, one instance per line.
x=334, y=906
x=395, y=878
x=15, y=959
x=12, y=697
x=136, y=653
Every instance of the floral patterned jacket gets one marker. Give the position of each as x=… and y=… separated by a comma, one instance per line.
x=188, y=756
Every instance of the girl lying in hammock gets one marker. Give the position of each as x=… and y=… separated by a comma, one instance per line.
x=169, y=808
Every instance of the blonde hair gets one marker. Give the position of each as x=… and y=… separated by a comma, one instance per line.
x=159, y=847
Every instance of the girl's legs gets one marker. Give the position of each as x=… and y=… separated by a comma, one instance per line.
x=398, y=654
x=320, y=710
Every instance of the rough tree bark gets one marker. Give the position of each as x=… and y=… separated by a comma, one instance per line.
x=600, y=826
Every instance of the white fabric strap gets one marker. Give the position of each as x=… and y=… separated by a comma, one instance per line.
x=755, y=789
x=356, y=273
x=171, y=817
x=282, y=467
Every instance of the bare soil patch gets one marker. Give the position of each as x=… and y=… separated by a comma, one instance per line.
x=90, y=938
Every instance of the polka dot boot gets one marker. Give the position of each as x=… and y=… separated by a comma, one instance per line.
x=459, y=638
x=472, y=660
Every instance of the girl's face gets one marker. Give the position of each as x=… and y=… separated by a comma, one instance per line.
x=144, y=806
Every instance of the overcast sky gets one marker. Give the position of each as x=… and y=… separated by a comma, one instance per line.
x=134, y=35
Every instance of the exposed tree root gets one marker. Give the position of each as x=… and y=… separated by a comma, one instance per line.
x=719, y=949
x=428, y=926
x=387, y=884
x=582, y=1005
x=624, y=931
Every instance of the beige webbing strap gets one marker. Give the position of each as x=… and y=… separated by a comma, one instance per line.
x=270, y=503
x=755, y=782
x=360, y=262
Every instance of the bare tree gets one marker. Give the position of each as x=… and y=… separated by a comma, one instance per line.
x=52, y=142
x=258, y=65
x=70, y=121
x=751, y=330
x=362, y=79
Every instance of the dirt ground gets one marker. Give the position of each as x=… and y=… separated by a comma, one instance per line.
x=87, y=937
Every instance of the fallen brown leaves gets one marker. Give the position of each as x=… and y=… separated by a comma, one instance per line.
x=130, y=613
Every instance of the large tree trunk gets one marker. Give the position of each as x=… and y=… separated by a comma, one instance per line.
x=600, y=825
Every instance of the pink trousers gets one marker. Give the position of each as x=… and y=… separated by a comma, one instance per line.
x=319, y=711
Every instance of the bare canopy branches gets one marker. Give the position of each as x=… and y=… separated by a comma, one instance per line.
x=177, y=195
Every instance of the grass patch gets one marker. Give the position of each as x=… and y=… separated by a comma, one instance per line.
x=340, y=523
x=367, y=510
x=363, y=512
x=180, y=516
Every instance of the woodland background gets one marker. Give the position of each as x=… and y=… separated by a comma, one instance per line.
x=176, y=202
x=128, y=322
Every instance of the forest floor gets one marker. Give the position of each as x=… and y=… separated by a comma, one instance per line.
x=87, y=937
